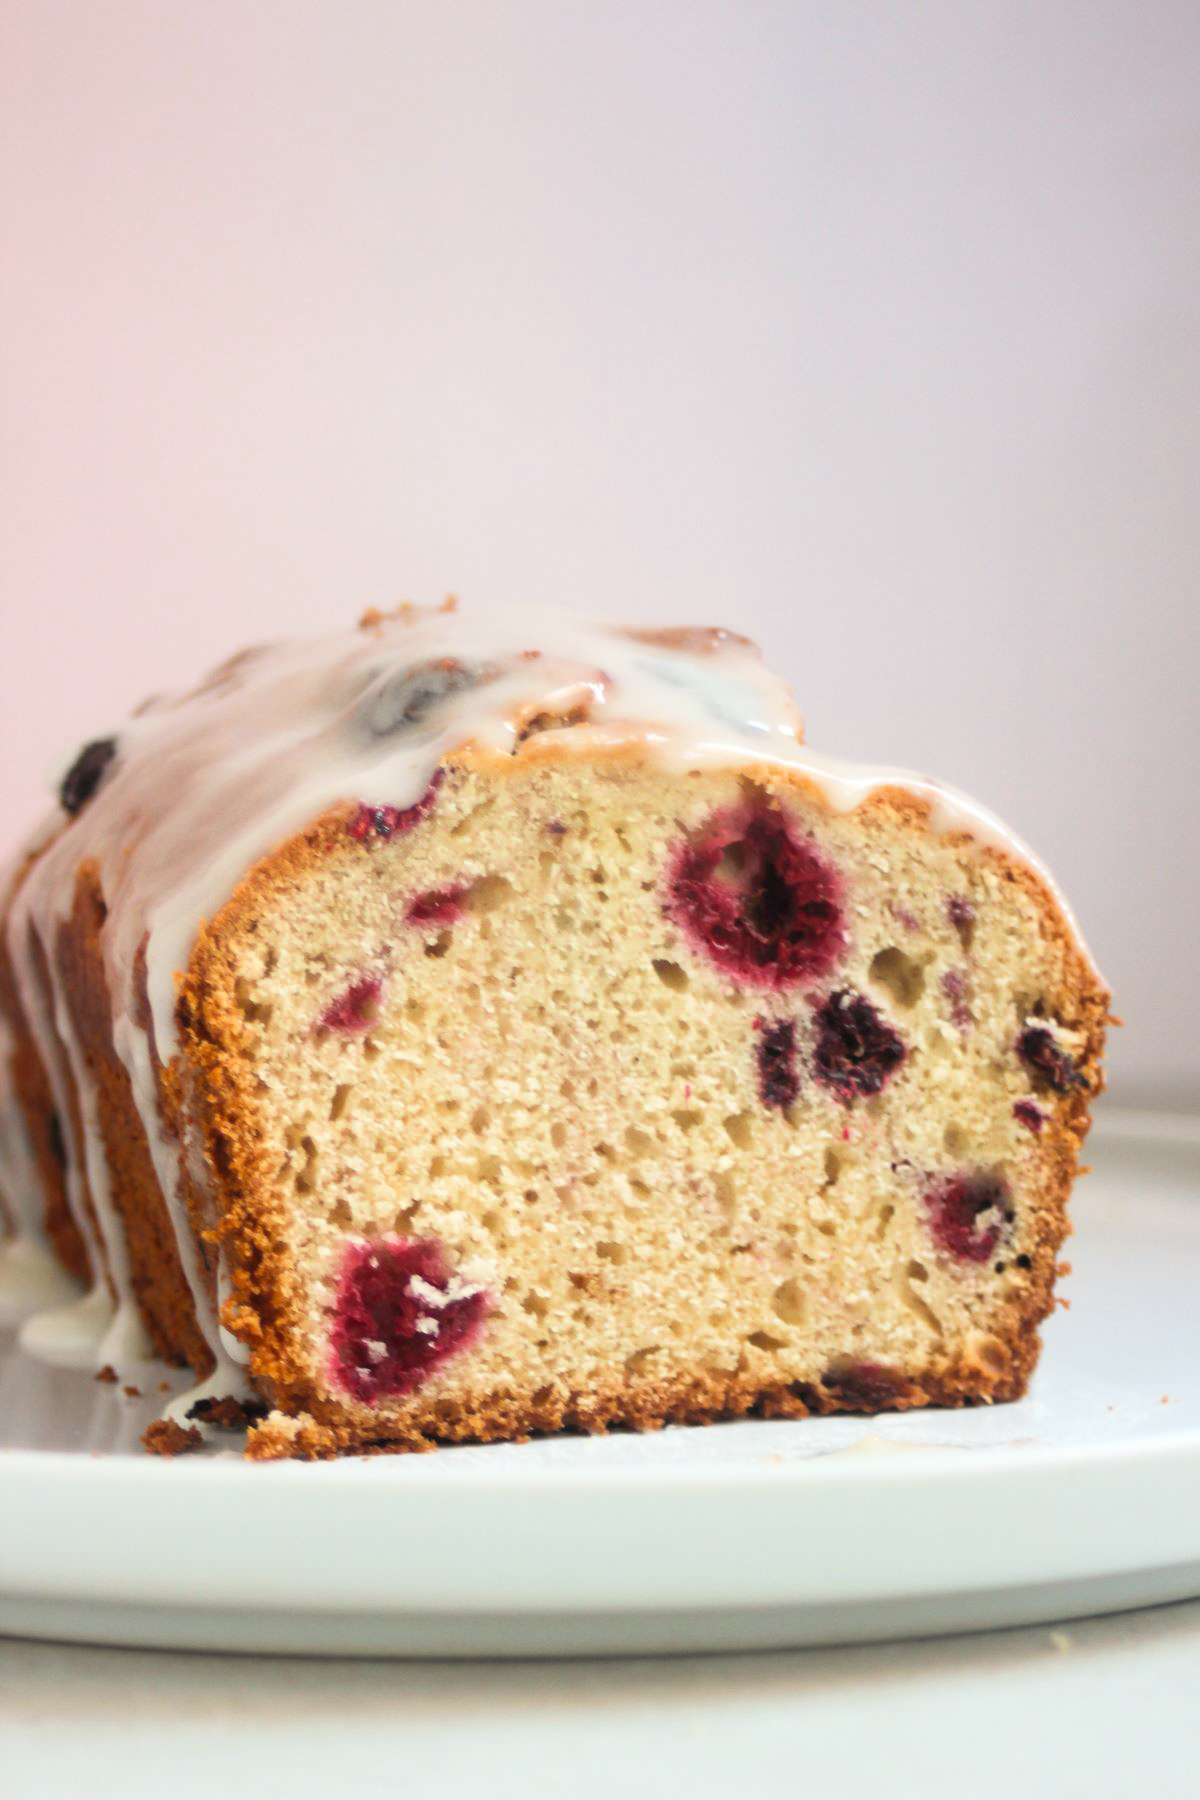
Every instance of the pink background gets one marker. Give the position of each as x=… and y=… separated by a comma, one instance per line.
x=872, y=330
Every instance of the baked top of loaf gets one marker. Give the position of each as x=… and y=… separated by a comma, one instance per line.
x=253, y=876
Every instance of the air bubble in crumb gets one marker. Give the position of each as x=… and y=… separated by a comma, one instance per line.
x=740, y=1127
x=670, y=974
x=901, y=975
x=790, y=1303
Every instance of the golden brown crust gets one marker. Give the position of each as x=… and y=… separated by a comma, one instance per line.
x=647, y=1406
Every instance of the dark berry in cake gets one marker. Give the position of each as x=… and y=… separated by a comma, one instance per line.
x=356, y=1010
x=1029, y=1114
x=961, y=914
x=391, y=821
x=757, y=899
x=775, y=1053
x=957, y=987
x=400, y=1313
x=1047, y=1061
x=85, y=774
x=867, y=1386
x=967, y=1214
x=856, y=1050
x=440, y=906
x=409, y=697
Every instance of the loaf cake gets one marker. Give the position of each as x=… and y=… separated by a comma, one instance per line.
x=467, y=1027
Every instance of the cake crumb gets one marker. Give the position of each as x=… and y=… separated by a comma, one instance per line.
x=282, y=1435
x=1062, y=1641
x=228, y=1413
x=166, y=1438
x=107, y=1373
x=132, y=1393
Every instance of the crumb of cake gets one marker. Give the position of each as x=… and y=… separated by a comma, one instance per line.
x=83, y=778
x=356, y=1010
x=857, y=1051
x=756, y=897
x=440, y=906
x=400, y=1313
x=228, y=1412
x=165, y=1438
x=131, y=1392
x=967, y=1214
x=391, y=821
x=775, y=1052
x=1047, y=1060
x=107, y=1373
x=164, y=1387
x=290, y=1435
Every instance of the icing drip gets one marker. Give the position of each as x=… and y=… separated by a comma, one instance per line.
x=31, y=1276
x=32, y=1280
x=134, y=1049
x=202, y=786
x=70, y=1333
x=124, y=1340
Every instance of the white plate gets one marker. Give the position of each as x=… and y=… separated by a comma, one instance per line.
x=1080, y=1499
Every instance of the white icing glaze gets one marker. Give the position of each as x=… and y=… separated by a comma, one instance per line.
x=32, y=1280
x=70, y=1332
x=20, y=1196
x=205, y=785
x=133, y=1047
x=72, y=1335
x=124, y=1338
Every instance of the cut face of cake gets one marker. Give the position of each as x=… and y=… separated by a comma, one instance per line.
x=471, y=1027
